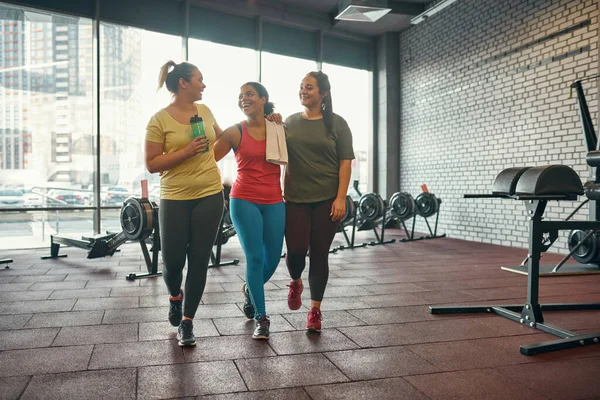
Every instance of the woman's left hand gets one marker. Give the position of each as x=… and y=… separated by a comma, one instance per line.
x=277, y=118
x=338, y=209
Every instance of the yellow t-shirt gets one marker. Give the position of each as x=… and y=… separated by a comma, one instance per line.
x=196, y=177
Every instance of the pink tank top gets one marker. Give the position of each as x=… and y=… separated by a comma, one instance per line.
x=258, y=181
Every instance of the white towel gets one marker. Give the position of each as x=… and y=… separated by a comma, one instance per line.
x=276, y=147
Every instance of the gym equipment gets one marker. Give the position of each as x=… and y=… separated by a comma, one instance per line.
x=361, y=223
x=349, y=219
x=226, y=231
x=6, y=261
x=372, y=207
x=139, y=221
x=584, y=246
x=350, y=211
x=428, y=205
x=536, y=186
x=402, y=207
x=87, y=243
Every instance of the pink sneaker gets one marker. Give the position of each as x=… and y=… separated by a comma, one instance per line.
x=294, y=295
x=314, y=320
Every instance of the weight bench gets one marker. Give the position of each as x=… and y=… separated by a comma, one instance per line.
x=6, y=261
x=536, y=186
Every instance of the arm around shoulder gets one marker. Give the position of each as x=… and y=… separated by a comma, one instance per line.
x=229, y=139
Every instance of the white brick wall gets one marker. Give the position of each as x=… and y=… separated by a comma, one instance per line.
x=468, y=110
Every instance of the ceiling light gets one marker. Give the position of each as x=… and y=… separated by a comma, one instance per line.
x=431, y=11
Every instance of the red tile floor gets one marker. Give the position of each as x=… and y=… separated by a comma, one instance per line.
x=74, y=328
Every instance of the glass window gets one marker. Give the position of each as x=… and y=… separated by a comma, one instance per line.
x=282, y=76
x=130, y=61
x=225, y=69
x=40, y=117
x=48, y=141
x=351, y=92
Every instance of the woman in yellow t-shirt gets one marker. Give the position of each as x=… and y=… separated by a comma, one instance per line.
x=191, y=193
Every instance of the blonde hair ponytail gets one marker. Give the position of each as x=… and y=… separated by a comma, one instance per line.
x=183, y=70
x=164, y=71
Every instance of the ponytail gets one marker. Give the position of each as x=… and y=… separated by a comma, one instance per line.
x=326, y=104
x=171, y=79
x=164, y=71
x=327, y=109
x=262, y=92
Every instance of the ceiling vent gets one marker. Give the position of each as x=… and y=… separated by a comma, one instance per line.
x=362, y=10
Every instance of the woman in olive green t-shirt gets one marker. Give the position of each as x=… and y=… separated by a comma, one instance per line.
x=191, y=198
x=320, y=151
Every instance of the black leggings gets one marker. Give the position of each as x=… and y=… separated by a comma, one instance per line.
x=309, y=225
x=188, y=228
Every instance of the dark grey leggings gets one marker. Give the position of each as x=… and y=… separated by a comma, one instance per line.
x=188, y=228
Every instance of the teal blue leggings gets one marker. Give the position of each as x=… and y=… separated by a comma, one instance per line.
x=260, y=228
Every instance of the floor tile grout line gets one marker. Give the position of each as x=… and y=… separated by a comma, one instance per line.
x=335, y=365
x=363, y=380
x=137, y=381
x=308, y=394
x=416, y=388
x=89, y=363
x=514, y=382
x=26, y=386
x=237, y=367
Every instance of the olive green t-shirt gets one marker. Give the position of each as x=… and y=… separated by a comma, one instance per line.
x=312, y=173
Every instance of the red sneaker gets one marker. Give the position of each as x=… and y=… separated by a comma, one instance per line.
x=294, y=295
x=314, y=320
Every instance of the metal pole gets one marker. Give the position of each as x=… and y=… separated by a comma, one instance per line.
x=96, y=38
x=259, y=40
x=186, y=30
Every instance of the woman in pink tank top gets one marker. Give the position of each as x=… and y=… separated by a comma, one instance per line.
x=256, y=202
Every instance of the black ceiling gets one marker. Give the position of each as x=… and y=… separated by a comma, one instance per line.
x=322, y=12
x=392, y=22
x=312, y=15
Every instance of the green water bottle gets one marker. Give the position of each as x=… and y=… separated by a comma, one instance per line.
x=198, y=128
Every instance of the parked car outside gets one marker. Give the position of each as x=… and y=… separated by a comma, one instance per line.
x=109, y=195
x=32, y=199
x=69, y=197
x=11, y=198
x=114, y=196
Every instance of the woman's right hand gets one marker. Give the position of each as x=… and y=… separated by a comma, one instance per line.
x=197, y=146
